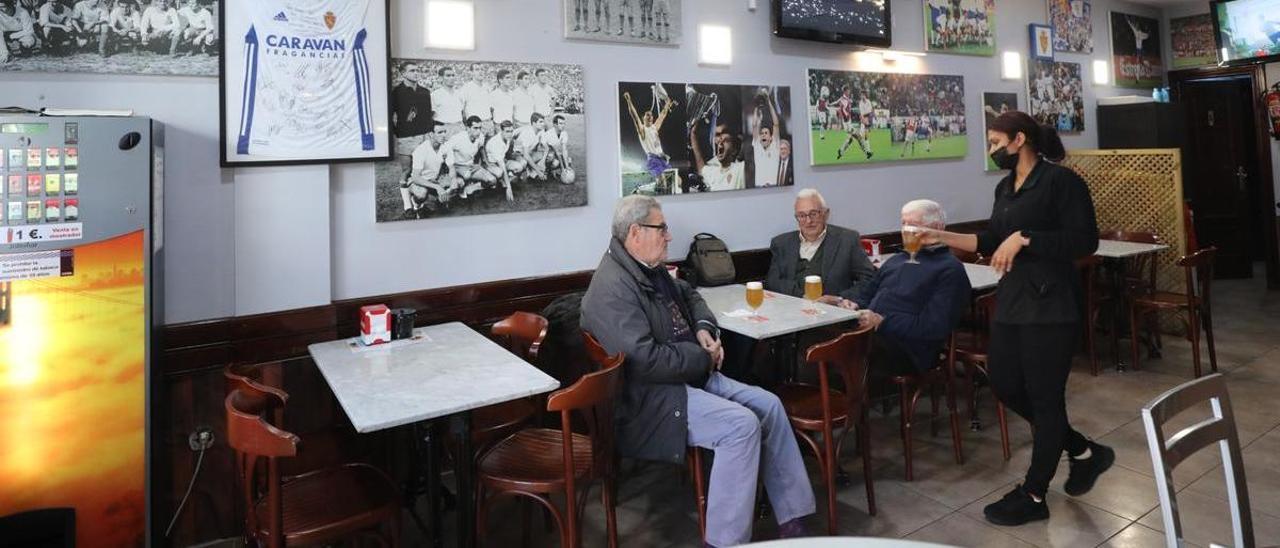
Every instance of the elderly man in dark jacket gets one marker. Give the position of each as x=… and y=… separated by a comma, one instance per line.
x=818, y=249
x=674, y=395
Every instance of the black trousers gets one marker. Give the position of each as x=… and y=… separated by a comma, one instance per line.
x=1029, y=368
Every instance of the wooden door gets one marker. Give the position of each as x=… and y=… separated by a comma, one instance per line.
x=1221, y=158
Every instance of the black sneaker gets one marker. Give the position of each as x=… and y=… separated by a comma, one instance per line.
x=1084, y=472
x=1016, y=508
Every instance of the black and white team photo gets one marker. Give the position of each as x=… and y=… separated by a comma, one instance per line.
x=477, y=137
x=177, y=37
x=655, y=22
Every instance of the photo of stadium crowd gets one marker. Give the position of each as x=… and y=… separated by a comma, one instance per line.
x=960, y=26
x=630, y=21
x=1191, y=40
x=1136, y=57
x=178, y=37
x=857, y=17
x=1072, y=22
x=679, y=138
x=863, y=117
x=1056, y=94
x=476, y=137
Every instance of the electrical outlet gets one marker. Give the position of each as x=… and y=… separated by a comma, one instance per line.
x=200, y=439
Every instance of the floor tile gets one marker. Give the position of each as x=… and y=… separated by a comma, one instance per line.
x=1139, y=536
x=1206, y=519
x=961, y=530
x=1071, y=523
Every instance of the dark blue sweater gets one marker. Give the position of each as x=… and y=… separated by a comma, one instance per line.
x=921, y=303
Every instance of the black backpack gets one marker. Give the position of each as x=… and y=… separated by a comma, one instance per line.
x=710, y=262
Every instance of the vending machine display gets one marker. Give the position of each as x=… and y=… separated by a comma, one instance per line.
x=79, y=298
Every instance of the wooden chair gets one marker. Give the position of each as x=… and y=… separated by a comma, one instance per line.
x=1139, y=271
x=1168, y=451
x=522, y=333
x=693, y=455
x=537, y=462
x=972, y=354
x=1195, y=303
x=317, y=507
x=910, y=388
x=822, y=409
x=1093, y=301
x=1189, y=222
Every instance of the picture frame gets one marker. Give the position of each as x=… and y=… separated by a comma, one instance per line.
x=304, y=87
x=969, y=29
x=1072, y=22
x=1137, y=59
x=995, y=103
x=1191, y=41
x=654, y=23
x=1041, y=46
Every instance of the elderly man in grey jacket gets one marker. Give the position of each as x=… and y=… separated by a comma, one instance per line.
x=674, y=394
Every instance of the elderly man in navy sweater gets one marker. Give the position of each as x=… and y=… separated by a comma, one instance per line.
x=914, y=307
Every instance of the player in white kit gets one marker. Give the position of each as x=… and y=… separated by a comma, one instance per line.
x=198, y=27
x=306, y=80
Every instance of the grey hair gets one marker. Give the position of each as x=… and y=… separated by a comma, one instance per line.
x=931, y=211
x=812, y=194
x=632, y=210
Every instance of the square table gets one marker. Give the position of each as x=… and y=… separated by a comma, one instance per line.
x=782, y=314
x=444, y=371
x=981, y=276
x=1115, y=251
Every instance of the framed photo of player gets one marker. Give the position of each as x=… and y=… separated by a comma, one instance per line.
x=964, y=27
x=474, y=138
x=1136, y=56
x=1191, y=41
x=649, y=22
x=686, y=138
x=871, y=117
x=995, y=103
x=1055, y=93
x=304, y=82
x=1041, y=41
x=1072, y=22
x=153, y=37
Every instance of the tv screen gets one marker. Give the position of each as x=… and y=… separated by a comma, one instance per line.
x=1248, y=31
x=860, y=22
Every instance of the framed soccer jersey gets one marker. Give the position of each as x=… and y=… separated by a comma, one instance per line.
x=304, y=82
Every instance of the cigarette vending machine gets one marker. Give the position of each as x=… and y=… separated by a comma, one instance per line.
x=80, y=287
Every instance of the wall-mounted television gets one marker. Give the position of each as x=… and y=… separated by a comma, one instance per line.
x=856, y=22
x=1247, y=31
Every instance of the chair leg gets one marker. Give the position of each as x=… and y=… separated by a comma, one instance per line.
x=526, y=530
x=700, y=492
x=1088, y=342
x=933, y=403
x=864, y=447
x=829, y=471
x=610, y=511
x=1004, y=429
x=1193, y=334
x=1133, y=336
x=904, y=425
x=957, y=442
x=1207, y=319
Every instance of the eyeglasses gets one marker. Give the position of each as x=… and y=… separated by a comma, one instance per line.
x=807, y=215
x=662, y=228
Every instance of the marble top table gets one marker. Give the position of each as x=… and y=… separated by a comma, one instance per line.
x=981, y=276
x=1115, y=249
x=847, y=542
x=445, y=369
x=781, y=314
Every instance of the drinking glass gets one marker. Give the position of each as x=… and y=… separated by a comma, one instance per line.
x=812, y=288
x=755, y=296
x=911, y=239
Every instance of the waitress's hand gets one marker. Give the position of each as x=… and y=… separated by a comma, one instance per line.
x=929, y=236
x=1002, y=260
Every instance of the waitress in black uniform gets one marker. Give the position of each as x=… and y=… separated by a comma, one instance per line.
x=1042, y=221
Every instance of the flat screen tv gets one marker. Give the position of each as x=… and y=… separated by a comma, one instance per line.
x=857, y=22
x=1248, y=31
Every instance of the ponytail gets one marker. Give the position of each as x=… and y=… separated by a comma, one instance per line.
x=1050, y=144
x=1043, y=139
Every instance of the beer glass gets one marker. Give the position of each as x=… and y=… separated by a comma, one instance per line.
x=755, y=296
x=911, y=239
x=812, y=288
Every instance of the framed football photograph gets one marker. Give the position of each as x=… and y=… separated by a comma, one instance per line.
x=304, y=82
x=1041, y=42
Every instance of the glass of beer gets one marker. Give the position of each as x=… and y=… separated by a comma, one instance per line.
x=755, y=296
x=812, y=288
x=911, y=239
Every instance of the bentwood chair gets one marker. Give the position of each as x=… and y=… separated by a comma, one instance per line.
x=1168, y=451
x=822, y=409
x=1131, y=277
x=522, y=333
x=317, y=507
x=693, y=455
x=969, y=359
x=1195, y=304
x=535, y=463
x=1093, y=300
x=910, y=388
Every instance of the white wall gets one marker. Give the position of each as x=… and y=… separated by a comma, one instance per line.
x=230, y=255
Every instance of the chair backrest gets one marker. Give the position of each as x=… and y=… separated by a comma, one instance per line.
x=1140, y=265
x=1199, y=273
x=524, y=332
x=595, y=351
x=254, y=377
x=1167, y=452
x=1189, y=222
x=254, y=440
x=592, y=397
x=847, y=353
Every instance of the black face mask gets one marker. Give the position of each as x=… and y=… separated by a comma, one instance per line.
x=1005, y=159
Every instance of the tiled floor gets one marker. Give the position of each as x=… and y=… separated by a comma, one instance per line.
x=944, y=503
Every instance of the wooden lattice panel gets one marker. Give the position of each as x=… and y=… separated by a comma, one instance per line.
x=1139, y=190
